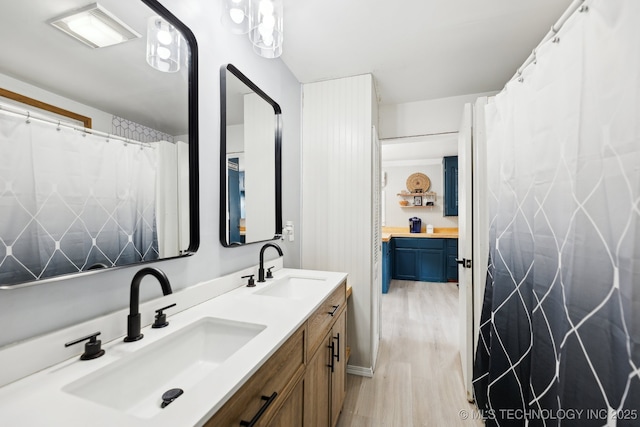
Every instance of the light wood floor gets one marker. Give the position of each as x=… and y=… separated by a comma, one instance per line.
x=418, y=377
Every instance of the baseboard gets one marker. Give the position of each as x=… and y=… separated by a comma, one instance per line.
x=360, y=370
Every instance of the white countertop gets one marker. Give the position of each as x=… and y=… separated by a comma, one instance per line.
x=39, y=399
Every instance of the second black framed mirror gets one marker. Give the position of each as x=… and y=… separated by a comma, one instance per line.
x=250, y=161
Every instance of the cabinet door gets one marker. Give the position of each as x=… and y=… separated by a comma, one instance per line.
x=386, y=267
x=450, y=166
x=431, y=265
x=405, y=264
x=339, y=375
x=290, y=414
x=317, y=382
x=452, y=265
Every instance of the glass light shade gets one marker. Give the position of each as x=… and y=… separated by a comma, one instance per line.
x=267, y=32
x=163, y=45
x=270, y=53
x=236, y=16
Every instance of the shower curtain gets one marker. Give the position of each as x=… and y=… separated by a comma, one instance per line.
x=172, y=195
x=560, y=331
x=69, y=200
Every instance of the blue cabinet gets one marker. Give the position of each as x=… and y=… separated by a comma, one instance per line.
x=430, y=265
x=450, y=167
x=424, y=259
x=452, y=265
x=405, y=264
x=386, y=266
x=419, y=259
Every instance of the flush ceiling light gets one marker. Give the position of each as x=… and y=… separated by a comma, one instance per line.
x=236, y=16
x=94, y=26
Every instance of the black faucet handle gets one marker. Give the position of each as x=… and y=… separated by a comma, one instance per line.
x=161, y=317
x=251, y=283
x=269, y=273
x=92, y=349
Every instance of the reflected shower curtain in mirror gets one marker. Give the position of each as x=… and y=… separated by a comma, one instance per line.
x=69, y=200
x=172, y=196
x=560, y=331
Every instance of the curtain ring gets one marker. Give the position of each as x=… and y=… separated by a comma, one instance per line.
x=28, y=117
x=58, y=127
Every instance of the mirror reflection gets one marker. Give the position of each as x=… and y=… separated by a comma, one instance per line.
x=250, y=162
x=96, y=148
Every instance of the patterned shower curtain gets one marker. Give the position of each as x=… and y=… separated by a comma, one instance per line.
x=560, y=330
x=69, y=200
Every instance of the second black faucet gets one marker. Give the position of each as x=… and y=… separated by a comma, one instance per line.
x=261, y=268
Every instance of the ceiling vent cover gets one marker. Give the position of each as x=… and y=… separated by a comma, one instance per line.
x=94, y=26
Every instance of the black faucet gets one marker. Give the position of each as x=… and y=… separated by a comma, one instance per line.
x=133, y=319
x=261, y=269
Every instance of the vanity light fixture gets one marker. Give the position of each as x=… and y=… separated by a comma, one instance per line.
x=236, y=16
x=267, y=32
x=94, y=26
x=262, y=20
x=163, y=45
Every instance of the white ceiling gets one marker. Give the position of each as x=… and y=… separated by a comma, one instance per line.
x=415, y=49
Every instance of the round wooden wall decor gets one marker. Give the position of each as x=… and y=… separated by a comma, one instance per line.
x=418, y=181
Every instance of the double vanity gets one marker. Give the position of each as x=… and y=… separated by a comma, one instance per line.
x=271, y=354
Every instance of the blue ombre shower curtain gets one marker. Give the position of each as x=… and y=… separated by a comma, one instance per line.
x=70, y=199
x=560, y=330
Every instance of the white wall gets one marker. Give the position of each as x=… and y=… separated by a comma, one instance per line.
x=424, y=117
x=35, y=310
x=397, y=216
x=415, y=137
x=100, y=120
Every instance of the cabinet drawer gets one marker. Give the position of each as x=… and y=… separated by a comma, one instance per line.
x=322, y=319
x=278, y=375
x=419, y=243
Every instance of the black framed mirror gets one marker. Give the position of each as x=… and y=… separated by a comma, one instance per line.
x=109, y=113
x=250, y=161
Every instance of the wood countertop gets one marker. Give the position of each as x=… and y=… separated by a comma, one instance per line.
x=438, y=233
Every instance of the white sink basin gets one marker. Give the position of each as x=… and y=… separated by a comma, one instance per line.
x=135, y=384
x=293, y=287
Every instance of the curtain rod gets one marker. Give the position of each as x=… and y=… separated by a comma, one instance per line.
x=418, y=136
x=576, y=5
x=60, y=123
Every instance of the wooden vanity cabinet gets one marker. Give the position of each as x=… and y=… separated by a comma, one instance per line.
x=339, y=374
x=273, y=388
x=304, y=382
x=325, y=377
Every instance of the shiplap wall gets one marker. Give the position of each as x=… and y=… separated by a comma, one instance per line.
x=337, y=199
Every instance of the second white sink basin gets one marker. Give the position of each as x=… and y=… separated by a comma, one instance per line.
x=293, y=287
x=136, y=383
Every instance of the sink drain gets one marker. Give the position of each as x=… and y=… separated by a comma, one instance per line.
x=170, y=395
